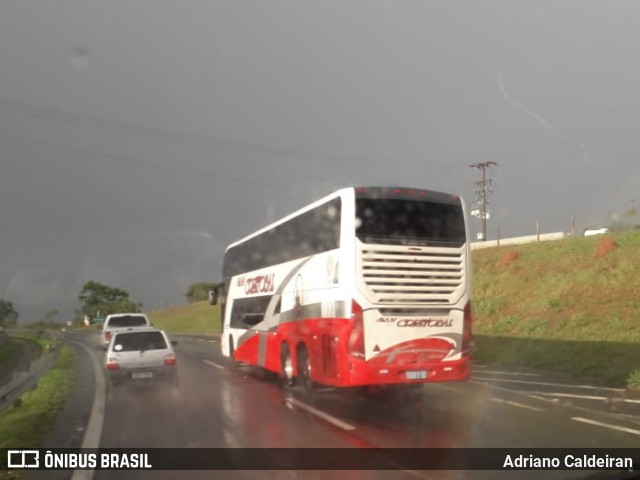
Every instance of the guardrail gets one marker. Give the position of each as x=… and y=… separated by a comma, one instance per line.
x=543, y=237
x=24, y=381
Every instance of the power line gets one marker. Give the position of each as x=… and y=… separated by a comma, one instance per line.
x=119, y=126
x=147, y=163
x=483, y=189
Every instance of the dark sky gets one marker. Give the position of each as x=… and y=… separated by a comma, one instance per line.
x=138, y=139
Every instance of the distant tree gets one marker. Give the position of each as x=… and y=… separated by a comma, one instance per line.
x=198, y=292
x=49, y=316
x=8, y=315
x=96, y=297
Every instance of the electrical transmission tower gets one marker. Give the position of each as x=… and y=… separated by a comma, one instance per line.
x=483, y=188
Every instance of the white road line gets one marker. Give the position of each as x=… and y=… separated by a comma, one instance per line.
x=320, y=414
x=516, y=404
x=94, y=427
x=550, y=400
x=497, y=372
x=213, y=364
x=607, y=425
x=588, y=397
x=550, y=384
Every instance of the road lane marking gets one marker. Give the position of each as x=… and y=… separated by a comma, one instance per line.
x=550, y=384
x=589, y=397
x=497, y=372
x=213, y=364
x=320, y=414
x=550, y=400
x=606, y=425
x=516, y=404
x=96, y=419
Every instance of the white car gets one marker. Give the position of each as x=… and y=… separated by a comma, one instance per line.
x=122, y=321
x=141, y=355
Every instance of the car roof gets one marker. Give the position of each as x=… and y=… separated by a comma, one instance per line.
x=126, y=330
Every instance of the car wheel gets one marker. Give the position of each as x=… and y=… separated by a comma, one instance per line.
x=304, y=369
x=287, y=379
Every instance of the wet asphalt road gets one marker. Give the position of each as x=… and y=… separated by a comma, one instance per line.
x=218, y=406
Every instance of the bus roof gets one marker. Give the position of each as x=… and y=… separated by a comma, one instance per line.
x=371, y=192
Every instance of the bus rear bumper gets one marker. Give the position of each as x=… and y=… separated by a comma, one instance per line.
x=361, y=373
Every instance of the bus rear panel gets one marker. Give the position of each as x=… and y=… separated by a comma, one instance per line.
x=368, y=286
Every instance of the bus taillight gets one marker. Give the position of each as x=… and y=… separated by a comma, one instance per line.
x=466, y=329
x=355, y=342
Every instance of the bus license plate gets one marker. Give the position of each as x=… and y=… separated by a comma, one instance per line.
x=139, y=375
x=416, y=374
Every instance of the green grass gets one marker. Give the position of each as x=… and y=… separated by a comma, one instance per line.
x=26, y=425
x=559, y=307
x=195, y=318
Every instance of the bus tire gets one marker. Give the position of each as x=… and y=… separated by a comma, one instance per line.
x=304, y=368
x=287, y=378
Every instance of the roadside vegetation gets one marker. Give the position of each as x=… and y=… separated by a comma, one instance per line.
x=197, y=318
x=571, y=306
x=27, y=421
x=12, y=349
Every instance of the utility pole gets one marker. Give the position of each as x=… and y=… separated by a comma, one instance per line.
x=483, y=189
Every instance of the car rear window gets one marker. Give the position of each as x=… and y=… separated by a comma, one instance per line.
x=127, y=321
x=134, y=341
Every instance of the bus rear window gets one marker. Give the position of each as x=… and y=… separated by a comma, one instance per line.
x=414, y=222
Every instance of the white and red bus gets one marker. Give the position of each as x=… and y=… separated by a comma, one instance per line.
x=366, y=286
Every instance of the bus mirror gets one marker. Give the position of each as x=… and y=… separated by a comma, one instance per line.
x=213, y=296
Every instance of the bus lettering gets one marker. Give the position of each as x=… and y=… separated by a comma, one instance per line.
x=387, y=320
x=259, y=284
x=425, y=322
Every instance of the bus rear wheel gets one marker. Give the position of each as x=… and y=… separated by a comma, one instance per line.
x=287, y=379
x=304, y=368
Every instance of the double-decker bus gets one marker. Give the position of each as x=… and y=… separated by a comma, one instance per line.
x=366, y=286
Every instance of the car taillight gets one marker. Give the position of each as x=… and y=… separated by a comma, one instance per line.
x=170, y=359
x=466, y=329
x=107, y=336
x=355, y=342
x=112, y=364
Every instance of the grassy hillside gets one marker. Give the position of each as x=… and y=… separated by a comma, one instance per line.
x=561, y=305
x=196, y=318
x=570, y=305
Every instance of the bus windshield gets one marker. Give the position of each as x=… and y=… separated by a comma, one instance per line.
x=404, y=221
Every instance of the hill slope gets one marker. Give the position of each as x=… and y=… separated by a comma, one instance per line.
x=195, y=318
x=570, y=305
